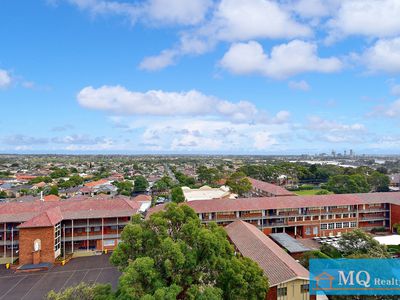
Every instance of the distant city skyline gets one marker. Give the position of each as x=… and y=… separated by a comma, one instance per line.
x=200, y=76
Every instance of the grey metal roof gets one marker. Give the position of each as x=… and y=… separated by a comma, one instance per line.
x=289, y=243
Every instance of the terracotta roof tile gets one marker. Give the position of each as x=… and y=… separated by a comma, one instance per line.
x=277, y=265
x=273, y=189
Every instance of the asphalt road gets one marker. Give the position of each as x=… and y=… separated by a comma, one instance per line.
x=36, y=285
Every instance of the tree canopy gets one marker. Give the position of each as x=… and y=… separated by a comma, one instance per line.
x=141, y=184
x=172, y=255
x=344, y=184
x=239, y=183
x=177, y=195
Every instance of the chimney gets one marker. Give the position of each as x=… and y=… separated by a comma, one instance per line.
x=41, y=196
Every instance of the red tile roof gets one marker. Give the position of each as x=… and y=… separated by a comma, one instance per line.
x=262, y=203
x=20, y=212
x=50, y=198
x=273, y=189
x=48, y=218
x=277, y=265
x=96, y=183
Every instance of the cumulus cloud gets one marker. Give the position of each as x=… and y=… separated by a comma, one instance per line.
x=23, y=140
x=370, y=18
x=335, y=132
x=156, y=11
x=120, y=101
x=229, y=22
x=383, y=56
x=392, y=111
x=317, y=123
x=5, y=79
x=158, y=62
x=395, y=89
x=311, y=8
x=208, y=135
x=301, y=85
x=284, y=61
x=250, y=19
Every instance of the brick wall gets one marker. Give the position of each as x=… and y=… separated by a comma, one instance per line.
x=27, y=236
x=394, y=214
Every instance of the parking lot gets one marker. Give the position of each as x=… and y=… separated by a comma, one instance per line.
x=36, y=285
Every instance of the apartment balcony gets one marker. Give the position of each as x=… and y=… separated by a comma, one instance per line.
x=8, y=243
x=97, y=224
x=252, y=215
x=90, y=237
x=226, y=217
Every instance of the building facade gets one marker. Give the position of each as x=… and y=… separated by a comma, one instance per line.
x=305, y=216
x=40, y=231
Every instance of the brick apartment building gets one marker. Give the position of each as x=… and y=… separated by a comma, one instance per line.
x=304, y=216
x=287, y=279
x=39, y=231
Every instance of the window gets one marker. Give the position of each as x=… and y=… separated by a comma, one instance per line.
x=339, y=225
x=331, y=225
x=308, y=230
x=282, y=292
x=345, y=216
x=346, y=224
x=324, y=226
x=315, y=230
x=304, y=288
x=108, y=243
x=353, y=224
x=57, y=237
x=97, y=228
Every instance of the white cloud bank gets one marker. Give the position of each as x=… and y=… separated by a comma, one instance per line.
x=284, y=61
x=5, y=79
x=121, y=101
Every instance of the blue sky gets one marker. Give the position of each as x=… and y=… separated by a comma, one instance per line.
x=200, y=76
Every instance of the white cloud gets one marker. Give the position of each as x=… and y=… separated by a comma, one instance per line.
x=284, y=61
x=179, y=12
x=5, y=79
x=118, y=100
x=370, y=18
x=301, y=85
x=393, y=110
x=263, y=140
x=236, y=20
x=317, y=123
x=384, y=56
x=395, y=89
x=158, y=62
x=230, y=22
x=311, y=8
x=208, y=136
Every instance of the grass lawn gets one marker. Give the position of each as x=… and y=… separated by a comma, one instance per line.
x=308, y=192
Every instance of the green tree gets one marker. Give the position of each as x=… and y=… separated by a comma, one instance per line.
x=172, y=255
x=53, y=190
x=141, y=184
x=177, y=195
x=208, y=175
x=305, y=258
x=379, y=182
x=239, y=183
x=124, y=187
x=83, y=291
x=358, y=243
x=3, y=194
x=344, y=184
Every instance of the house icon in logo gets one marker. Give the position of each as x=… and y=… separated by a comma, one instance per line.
x=324, y=281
